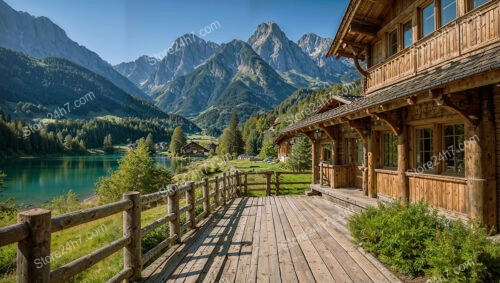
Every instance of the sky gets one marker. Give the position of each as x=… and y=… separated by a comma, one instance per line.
x=123, y=30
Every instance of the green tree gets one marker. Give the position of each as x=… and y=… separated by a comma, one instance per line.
x=253, y=143
x=108, y=144
x=300, y=157
x=68, y=143
x=136, y=172
x=7, y=208
x=231, y=140
x=178, y=141
x=150, y=143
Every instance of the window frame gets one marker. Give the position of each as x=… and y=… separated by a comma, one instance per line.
x=471, y=4
x=390, y=44
x=445, y=150
x=416, y=146
x=388, y=155
x=421, y=18
x=410, y=21
x=440, y=11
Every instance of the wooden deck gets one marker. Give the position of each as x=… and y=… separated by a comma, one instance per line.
x=270, y=239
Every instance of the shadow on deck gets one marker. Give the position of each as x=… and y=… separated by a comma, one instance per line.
x=279, y=239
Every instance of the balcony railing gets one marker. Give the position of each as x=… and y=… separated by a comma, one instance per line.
x=474, y=30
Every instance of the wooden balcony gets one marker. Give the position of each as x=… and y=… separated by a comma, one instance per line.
x=469, y=33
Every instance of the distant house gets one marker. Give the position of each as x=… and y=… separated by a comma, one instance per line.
x=194, y=148
x=162, y=146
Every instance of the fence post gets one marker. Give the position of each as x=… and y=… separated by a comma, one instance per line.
x=132, y=257
x=268, y=183
x=206, y=196
x=190, y=201
x=216, y=197
x=246, y=183
x=277, y=183
x=173, y=208
x=224, y=188
x=238, y=183
x=35, y=247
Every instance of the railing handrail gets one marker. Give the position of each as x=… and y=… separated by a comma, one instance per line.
x=414, y=49
x=33, y=233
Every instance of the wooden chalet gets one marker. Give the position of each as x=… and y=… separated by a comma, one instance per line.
x=194, y=148
x=428, y=125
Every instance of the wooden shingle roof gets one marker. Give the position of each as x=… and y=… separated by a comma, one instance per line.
x=451, y=71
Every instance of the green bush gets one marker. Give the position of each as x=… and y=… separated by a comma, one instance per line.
x=415, y=240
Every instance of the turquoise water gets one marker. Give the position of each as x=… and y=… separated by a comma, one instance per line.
x=35, y=181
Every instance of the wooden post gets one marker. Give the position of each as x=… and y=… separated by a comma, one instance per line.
x=224, y=188
x=277, y=183
x=33, y=251
x=365, y=166
x=321, y=174
x=373, y=161
x=206, y=196
x=403, y=165
x=246, y=184
x=238, y=182
x=268, y=183
x=216, y=196
x=480, y=164
x=174, y=224
x=132, y=257
x=315, y=161
x=190, y=201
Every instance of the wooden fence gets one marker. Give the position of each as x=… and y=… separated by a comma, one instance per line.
x=269, y=183
x=34, y=229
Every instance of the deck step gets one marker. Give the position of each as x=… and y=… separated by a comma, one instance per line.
x=349, y=198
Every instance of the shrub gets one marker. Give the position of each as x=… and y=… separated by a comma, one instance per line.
x=415, y=240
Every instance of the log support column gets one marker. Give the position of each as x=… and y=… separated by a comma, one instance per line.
x=480, y=163
x=373, y=162
x=403, y=164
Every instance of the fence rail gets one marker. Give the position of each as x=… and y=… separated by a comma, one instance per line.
x=269, y=182
x=33, y=232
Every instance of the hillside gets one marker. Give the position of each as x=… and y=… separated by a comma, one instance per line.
x=33, y=88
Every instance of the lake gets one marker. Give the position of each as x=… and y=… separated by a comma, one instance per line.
x=35, y=181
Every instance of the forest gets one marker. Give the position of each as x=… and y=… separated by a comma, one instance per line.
x=76, y=136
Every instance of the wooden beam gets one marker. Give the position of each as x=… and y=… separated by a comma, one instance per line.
x=394, y=124
x=435, y=93
x=329, y=131
x=412, y=100
x=364, y=29
x=467, y=114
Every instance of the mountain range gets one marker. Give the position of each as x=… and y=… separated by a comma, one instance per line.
x=202, y=80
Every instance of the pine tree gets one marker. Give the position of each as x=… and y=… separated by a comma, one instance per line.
x=150, y=144
x=108, y=144
x=231, y=140
x=177, y=142
x=300, y=157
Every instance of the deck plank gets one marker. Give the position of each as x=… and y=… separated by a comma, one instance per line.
x=285, y=259
x=316, y=264
x=369, y=269
x=193, y=263
x=233, y=258
x=301, y=267
x=271, y=239
x=247, y=245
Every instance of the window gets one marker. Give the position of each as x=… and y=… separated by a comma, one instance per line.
x=448, y=11
x=428, y=25
x=393, y=42
x=477, y=3
x=407, y=34
x=453, y=157
x=359, y=145
x=423, y=139
x=327, y=152
x=390, y=150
